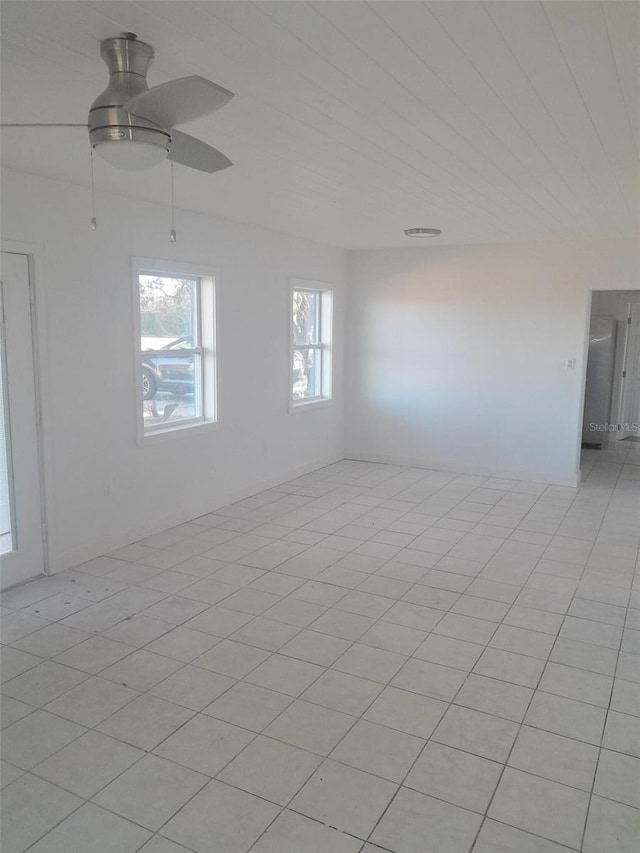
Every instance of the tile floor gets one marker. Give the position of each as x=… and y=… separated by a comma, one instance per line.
x=369, y=658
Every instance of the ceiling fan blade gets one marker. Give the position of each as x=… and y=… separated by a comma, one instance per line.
x=41, y=124
x=180, y=100
x=189, y=151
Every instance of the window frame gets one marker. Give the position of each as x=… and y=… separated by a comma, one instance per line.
x=323, y=347
x=206, y=280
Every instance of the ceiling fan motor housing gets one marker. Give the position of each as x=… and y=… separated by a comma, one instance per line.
x=128, y=61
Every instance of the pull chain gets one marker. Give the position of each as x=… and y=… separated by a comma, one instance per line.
x=94, y=221
x=172, y=233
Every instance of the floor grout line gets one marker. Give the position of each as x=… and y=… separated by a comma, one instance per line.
x=376, y=513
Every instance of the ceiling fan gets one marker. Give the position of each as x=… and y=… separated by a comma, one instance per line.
x=133, y=127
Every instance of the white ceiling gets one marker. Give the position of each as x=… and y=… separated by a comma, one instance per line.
x=352, y=121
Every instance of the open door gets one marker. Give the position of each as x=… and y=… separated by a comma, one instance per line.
x=21, y=528
x=630, y=408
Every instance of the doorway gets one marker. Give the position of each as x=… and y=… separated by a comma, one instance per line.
x=612, y=391
x=22, y=553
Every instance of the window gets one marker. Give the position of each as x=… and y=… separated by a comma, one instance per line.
x=176, y=359
x=310, y=361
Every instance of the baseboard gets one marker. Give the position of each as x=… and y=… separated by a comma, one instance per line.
x=552, y=479
x=96, y=548
x=90, y=550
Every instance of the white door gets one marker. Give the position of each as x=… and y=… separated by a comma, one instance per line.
x=21, y=531
x=631, y=382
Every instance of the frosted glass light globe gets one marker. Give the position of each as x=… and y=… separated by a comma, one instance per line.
x=133, y=156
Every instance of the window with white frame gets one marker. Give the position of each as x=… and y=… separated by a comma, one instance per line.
x=177, y=355
x=311, y=320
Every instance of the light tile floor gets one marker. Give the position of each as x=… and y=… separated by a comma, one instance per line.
x=367, y=658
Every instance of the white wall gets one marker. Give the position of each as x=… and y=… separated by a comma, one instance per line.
x=102, y=489
x=456, y=356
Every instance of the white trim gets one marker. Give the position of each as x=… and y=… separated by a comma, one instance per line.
x=207, y=318
x=33, y=254
x=181, y=429
x=178, y=512
x=6, y=414
x=583, y=380
x=550, y=478
x=311, y=403
x=625, y=418
x=187, y=269
x=620, y=409
x=325, y=345
x=171, y=353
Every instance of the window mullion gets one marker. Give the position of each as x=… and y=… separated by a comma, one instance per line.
x=173, y=353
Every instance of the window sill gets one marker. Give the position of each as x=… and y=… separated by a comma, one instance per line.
x=316, y=403
x=177, y=431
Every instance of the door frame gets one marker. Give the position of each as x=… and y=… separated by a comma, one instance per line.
x=32, y=253
x=622, y=405
x=583, y=384
x=583, y=373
